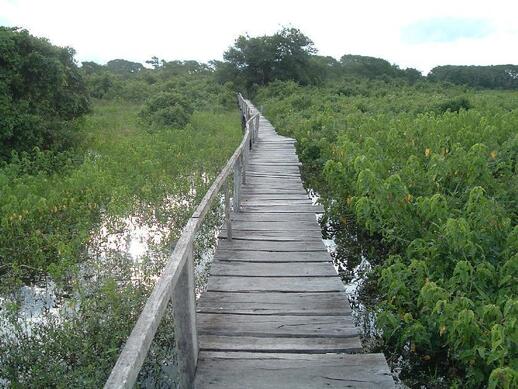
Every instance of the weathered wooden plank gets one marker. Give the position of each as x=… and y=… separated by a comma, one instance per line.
x=276, y=326
x=281, y=236
x=273, y=157
x=274, y=217
x=294, y=235
x=273, y=172
x=235, y=370
x=312, y=209
x=273, y=298
x=271, y=303
x=270, y=191
x=269, y=256
x=237, y=185
x=271, y=246
x=280, y=202
x=274, y=183
x=280, y=226
x=275, y=196
x=280, y=163
x=273, y=177
x=228, y=221
x=281, y=169
x=269, y=269
x=285, y=345
x=250, y=189
x=185, y=327
x=274, y=284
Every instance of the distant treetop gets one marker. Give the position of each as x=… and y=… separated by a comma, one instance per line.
x=124, y=67
x=291, y=55
x=284, y=55
x=494, y=77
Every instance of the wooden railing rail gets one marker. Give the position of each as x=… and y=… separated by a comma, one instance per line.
x=176, y=282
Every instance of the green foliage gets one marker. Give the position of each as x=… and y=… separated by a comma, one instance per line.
x=47, y=215
x=290, y=55
x=284, y=55
x=435, y=185
x=167, y=109
x=80, y=351
x=372, y=67
x=124, y=67
x=495, y=77
x=50, y=221
x=191, y=82
x=454, y=105
x=41, y=93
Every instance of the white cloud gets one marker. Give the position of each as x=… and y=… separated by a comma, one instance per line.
x=202, y=30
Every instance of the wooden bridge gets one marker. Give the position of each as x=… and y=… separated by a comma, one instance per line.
x=275, y=313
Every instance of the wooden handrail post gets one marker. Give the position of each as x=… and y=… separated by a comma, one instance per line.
x=256, y=127
x=228, y=220
x=177, y=283
x=251, y=129
x=245, y=162
x=237, y=184
x=185, y=331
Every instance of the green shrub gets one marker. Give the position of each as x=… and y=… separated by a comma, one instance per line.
x=424, y=187
x=167, y=109
x=41, y=92
x=454, y=105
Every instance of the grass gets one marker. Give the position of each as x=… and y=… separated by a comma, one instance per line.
x=50, y=219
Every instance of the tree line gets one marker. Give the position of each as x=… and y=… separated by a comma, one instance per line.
x=43, y=90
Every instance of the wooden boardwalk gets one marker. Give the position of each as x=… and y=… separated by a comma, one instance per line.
x=275, y=313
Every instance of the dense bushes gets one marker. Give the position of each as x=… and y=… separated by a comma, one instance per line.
x=63, y=223
x=41, y=92
x=454, y=105
x=167, y=109
x=496, y=76
x=289, y=55
x=438, y=190
x=70, y=286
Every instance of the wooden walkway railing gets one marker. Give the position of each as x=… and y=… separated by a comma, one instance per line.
x=176, y=282
x=274, y=313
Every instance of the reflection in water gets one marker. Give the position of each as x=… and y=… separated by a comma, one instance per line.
x=129, y=250
x=353, y=276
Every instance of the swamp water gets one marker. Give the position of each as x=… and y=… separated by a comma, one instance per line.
x=131, y=250
x=136, y=251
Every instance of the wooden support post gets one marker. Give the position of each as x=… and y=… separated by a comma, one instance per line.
x=256, y=127
x=252, y=136
x=244, y=159
x=251, y=129
x=228, y=220
x=237, y=184
x=185, y=323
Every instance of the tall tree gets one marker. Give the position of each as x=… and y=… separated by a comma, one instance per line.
x=260, y=60
x=41, y=90
x=124, y=67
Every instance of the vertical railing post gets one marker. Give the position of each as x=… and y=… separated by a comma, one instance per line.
x=251, y=129
x=228, y=220
x=256, y=127
x=185, y=323
x=237, y=184
x=243, y=165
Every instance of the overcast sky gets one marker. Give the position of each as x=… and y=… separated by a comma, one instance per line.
x=420, y=34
